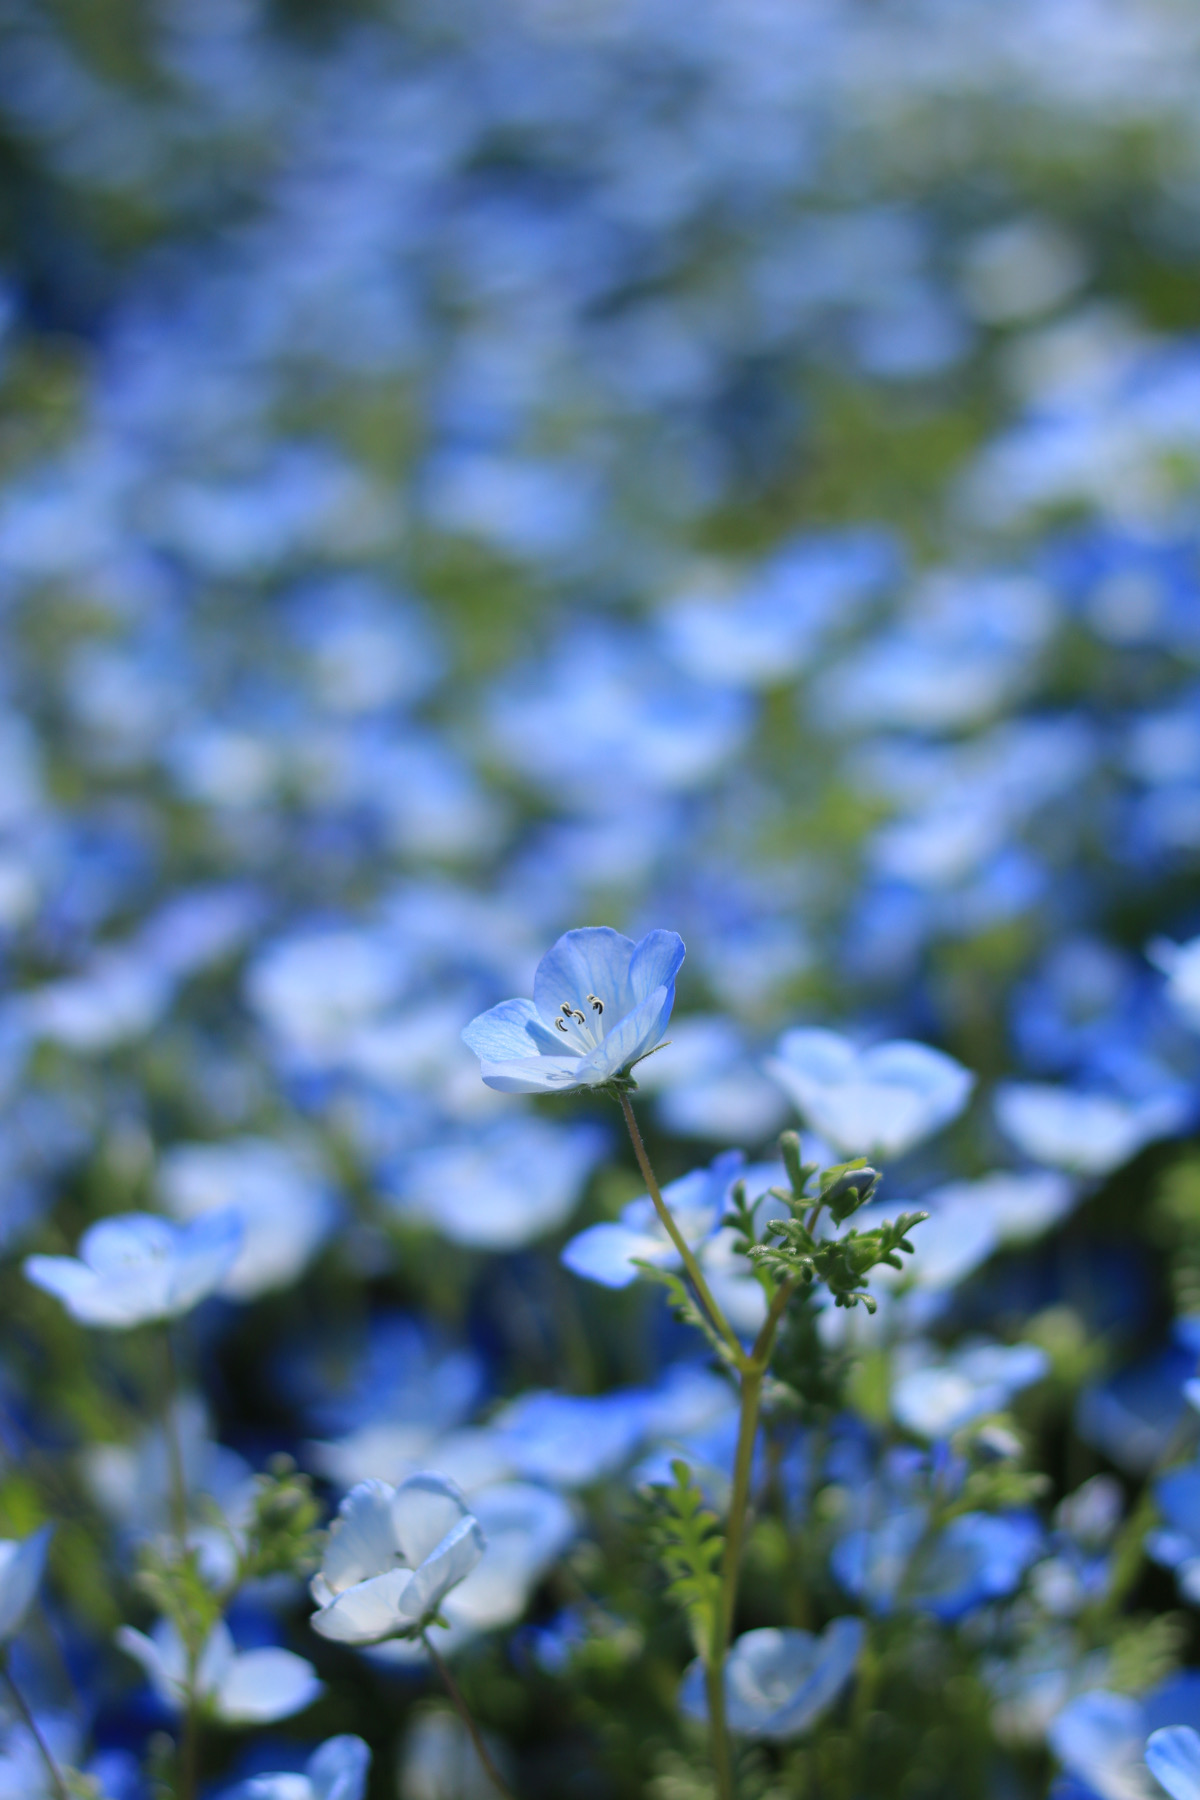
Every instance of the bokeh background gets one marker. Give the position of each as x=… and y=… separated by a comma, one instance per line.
x=469, y=470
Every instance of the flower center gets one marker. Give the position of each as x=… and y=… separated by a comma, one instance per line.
x=575, y=1024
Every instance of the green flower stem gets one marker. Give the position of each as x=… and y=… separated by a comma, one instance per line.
x=465, y=1714
x=752, y=1375
x=57, y=1780
x=716, y=1317
x=189, y=1742
x=718, y=1728
x=751, y=1371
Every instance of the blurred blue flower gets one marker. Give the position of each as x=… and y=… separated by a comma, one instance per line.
x=336, y=1770
x=779, y=1682
x=601, y=1003
x=1100, y=1737
x=763, y=630
x=21, y=1563
x=976, y=1558
x=276, y=1192
x=393, y=1556
x=1133, y=1416
x=935, y=1398
x=571, y=1440
x=506, y=1185
x=1085, y=1131
x=879, y=1101
x=609, y=1252
x=139, y=1267
x=1173, y=1758
x=249, y=1687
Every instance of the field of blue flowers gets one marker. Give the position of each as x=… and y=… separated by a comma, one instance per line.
x=599, y=909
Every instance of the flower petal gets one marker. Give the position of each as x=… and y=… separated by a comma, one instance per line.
x=362, y=1541
x=447, y=1565
x=267, y=1684
x=605, y=1253
x=535, y=1075
x=508, y=1033
x=424, y=1509
x=655, y=962
x=634, y=1035
x=592, y=962
x=21, y=1565
x=367, y=1612
x=1173, y=1758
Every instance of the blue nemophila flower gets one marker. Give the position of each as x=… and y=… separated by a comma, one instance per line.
x=500, y=1187
x=876, y=1102
x=977, y=1557
x=1087, y=1132
x=336, y=1770
x=139, y=1267
x=934, y=1398
x=21, y=1563
x=393, y=1556
x=250, y=1687
x=610, y=1252
x=1176, y=1543
x=277, y=1192
x=1100, y=1737
x=1173, y=1758
x=600, y=1003
x=779, y=1682
x=439, y=1761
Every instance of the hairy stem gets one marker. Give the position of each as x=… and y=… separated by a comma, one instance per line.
x=464, y=1712
x=722, y=1751
x=189, y=1741
x=752, y=1374
x=57, y=1781
x=717, y=1318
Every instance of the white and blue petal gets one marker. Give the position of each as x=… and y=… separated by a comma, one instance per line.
x=1173, y=1758
x=508, y=1033
x=582, y=967
x=606, y=1253
x=21, y=1564
x=423, y=1510
x=367, y=1612
x=535, y=1075
x=362, y=1541
x=261, y=1685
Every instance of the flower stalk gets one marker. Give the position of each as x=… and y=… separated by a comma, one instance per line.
x=458, y=1701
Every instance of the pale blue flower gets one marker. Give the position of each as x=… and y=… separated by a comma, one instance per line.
x=610, y=1252
x=527, y=1527
x=1099, y=1737
x=1020, y=1205
x=393, y=1556
x=439, y=1761
x=977, y=1557
x=277, y=1192
x=250, y=1687
x=779, y=1682
x=21, y=1563
x=934, y=1398
x=139, y=1267
x=570, y=1440
x=1180, y=963
x=336, y=1770
x=875, y=1102
x=1088, y=1133
x=600, y=1003
x=1173, y=1758
x=502, y=1187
